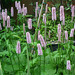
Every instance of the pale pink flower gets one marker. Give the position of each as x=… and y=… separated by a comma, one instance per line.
x=39, y=49
x=72, y=32
x=61, y=13
x=18, y=48
x=8, y=21
x=12, y=11
x=35, y=12
x=44, y=18
x=38, y=34
x=53, y=13
x=66, y=35
x=25, y=11
x=59, y=32
x=3, y=19
x=36, y=5
x=42, y=41
x=0, y=27
x=16, y=4
x=29, y=23
x=28, y=37
x=24, y=28
x=72, y=11
x=68, y=65
x=23, y=7
x=46, y=8
x=5, y=14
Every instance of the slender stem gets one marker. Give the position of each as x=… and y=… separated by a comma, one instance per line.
x=45, y=32
x=28, y=61
x=40, y=65
x=38, y=21
x=44, y=60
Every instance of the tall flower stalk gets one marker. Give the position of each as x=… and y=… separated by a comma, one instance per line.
x=28, y=38
x=39, y=53
x=18, y=51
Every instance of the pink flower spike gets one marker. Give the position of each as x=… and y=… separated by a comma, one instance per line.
x=42, y=41
x=38, y=34
x=36, y=5
x=68, y=65
x=18, y=48
x=12, y=11
x=29, y=23
x=28, y=37
x=35, y=13
x=72, y=32
x=46, y=8
x=66, y=35
x=8, y=21
x=39, y=49
x=44, y=18
x=59, y=32
x=61, y=13
x=53, y=13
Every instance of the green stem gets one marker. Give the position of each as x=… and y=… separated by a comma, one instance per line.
x=28, y=61
x=38, y=21
x=44, y=60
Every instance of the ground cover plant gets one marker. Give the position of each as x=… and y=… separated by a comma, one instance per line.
x=28, y=43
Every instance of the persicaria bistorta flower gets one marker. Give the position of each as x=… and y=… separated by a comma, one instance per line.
x=61, y=13
x=66, y=35
x=38, y=34
x=46, y=8
x=44, y=18
x=39, y=49
x=68, y=65
x=18, y=48
x=42, y=41
x=59, y=32
x=28, y=37
x=72, y=32
x=12, y=11
x=53, y=13
x=30, y=23
x=8, y=21
x=24, y=11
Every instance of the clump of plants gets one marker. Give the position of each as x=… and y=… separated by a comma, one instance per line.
x=27, y=44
